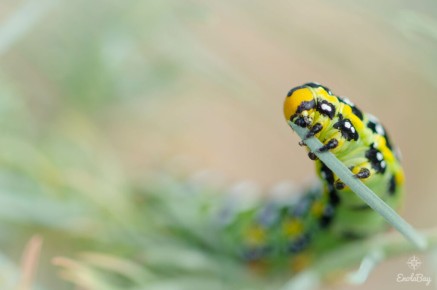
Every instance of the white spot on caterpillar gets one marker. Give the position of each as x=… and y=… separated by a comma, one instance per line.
x=353, y=130
x=383, y=164
x=347, y=125
x=326, y=107
x=379, y=129
x=379, y=156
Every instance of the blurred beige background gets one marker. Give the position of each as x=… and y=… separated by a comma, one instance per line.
x=163, y=83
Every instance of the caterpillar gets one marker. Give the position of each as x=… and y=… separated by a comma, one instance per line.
x=290, y=236
x=191, y=237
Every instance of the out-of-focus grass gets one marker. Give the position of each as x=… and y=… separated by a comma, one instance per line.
x=95, y=96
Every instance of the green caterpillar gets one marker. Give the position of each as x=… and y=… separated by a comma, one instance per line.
x=290, y=236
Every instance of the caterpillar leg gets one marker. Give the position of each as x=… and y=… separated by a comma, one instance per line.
x=363, y=173
x=316, y=128
x=312, y=156
x=331, y=144
x=339, y=185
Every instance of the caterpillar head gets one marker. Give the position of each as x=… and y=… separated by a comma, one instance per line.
x=301, y=102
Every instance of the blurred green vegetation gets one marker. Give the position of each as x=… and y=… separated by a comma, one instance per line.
x=107, y=107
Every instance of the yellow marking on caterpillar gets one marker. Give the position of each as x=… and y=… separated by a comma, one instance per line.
x=291, y=104
x=255, y=235
x=317, y=208
x=292, y=227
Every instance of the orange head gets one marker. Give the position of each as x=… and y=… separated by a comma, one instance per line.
x=301, y=102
